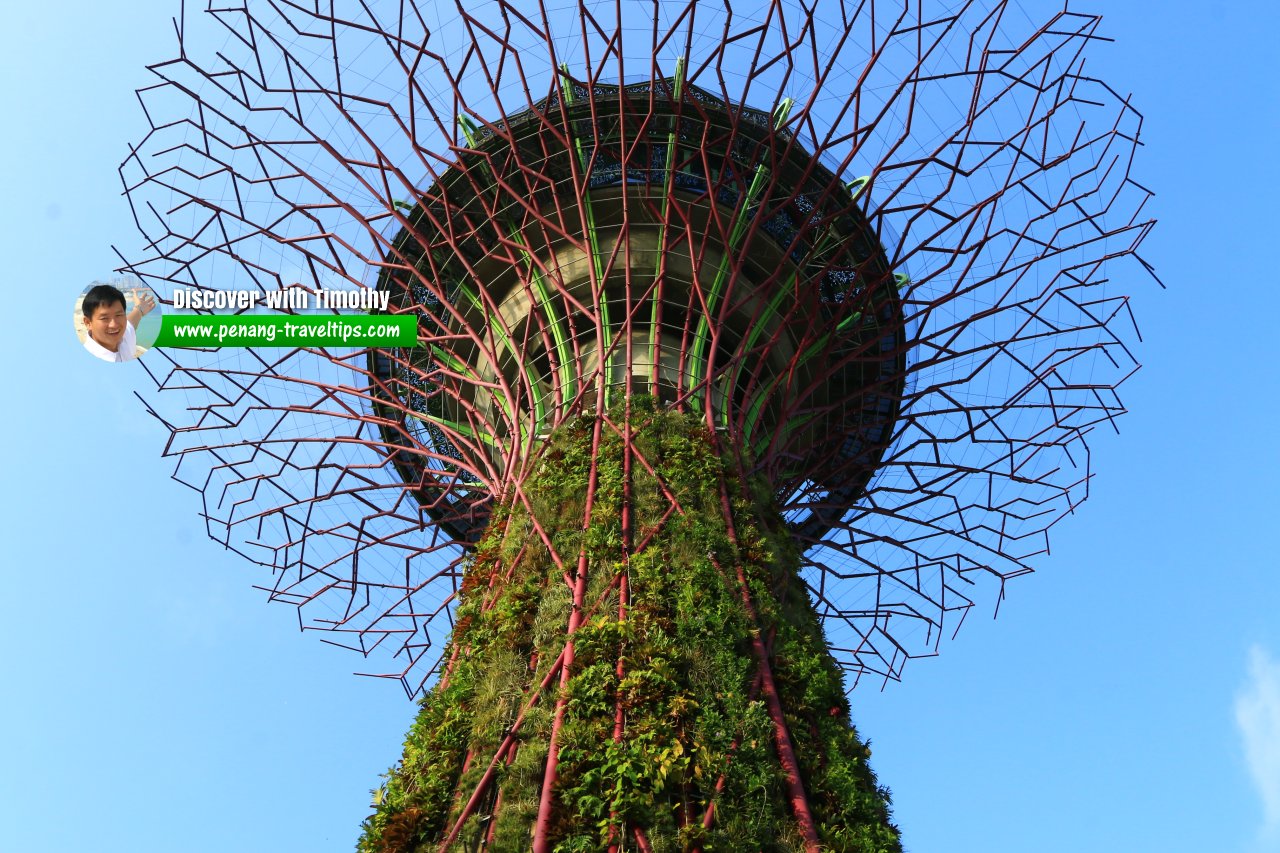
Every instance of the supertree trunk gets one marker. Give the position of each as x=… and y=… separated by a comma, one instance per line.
x=693, y=704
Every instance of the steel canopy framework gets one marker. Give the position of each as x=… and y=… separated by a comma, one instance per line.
x=872, y=245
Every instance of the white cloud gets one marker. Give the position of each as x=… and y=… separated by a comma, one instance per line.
x=1258, y=718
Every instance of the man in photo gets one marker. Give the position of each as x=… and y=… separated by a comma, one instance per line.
x=113, y=334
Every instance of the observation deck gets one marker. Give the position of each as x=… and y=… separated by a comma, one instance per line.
x=646, y=239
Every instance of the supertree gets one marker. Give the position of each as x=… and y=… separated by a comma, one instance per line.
x=753, y=343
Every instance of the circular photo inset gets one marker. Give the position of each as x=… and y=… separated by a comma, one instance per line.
x=117, y=320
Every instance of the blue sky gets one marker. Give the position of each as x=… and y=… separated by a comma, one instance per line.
x=1127, y=699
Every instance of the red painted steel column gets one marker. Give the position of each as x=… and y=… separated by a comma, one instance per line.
x=541, y=844
x=786, y=753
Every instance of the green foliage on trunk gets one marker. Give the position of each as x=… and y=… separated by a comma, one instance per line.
x=678, y=667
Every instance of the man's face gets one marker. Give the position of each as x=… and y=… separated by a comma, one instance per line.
x=106, y=326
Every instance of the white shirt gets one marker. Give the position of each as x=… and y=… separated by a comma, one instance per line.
x=128, y=346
